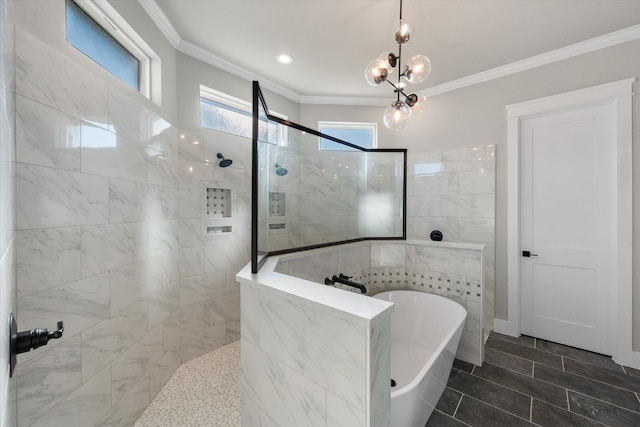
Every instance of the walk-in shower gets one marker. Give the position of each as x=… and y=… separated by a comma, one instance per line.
x=329, y=196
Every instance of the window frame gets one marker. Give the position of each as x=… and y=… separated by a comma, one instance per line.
x=373, y=127
x=110, y=20
x=232, y=102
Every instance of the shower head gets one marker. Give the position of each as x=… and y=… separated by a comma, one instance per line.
x=223, y=162
x=280, y=171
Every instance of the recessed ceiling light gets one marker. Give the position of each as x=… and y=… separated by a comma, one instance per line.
x=284, y=58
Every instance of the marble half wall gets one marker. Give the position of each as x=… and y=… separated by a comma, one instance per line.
x=309, y=361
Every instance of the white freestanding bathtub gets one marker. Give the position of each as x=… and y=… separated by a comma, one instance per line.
x=425, y=332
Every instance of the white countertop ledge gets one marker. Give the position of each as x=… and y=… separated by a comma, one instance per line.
x=364, y=308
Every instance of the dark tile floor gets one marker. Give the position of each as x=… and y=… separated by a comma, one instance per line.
x=531, y=382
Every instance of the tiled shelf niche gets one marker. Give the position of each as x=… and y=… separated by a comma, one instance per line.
x=277, y=211
x=217, y=200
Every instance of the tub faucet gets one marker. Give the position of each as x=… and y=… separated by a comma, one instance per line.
x=345, y=281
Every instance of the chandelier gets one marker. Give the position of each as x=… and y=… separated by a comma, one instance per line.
x=415, y=71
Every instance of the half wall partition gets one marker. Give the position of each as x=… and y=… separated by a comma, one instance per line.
x=305, y=197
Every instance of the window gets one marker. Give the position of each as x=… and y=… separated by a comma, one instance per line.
x=99, y=32
x=224, y=113
x=364, y=135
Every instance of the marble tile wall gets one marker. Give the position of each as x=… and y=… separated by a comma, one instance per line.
x=7, y=209
x=108, y=239
x=454, y=192
x=304, y=363
x=453, y=271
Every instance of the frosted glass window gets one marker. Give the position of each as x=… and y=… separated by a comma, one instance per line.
x=361, y=134
x=224, y=118
x=86, y=35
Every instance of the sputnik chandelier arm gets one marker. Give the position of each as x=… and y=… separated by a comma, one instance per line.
x=415, y=71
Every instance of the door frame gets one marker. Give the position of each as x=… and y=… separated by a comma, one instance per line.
x=618, y=95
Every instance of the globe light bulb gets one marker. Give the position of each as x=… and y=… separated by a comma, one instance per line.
x=418, y=103
x=404, y=32
x=396, y=115
x=376, y=72
x=418, y=69
x=390, y=61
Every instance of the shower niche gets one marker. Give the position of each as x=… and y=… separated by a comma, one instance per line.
x=217, y=204
x=277, y=211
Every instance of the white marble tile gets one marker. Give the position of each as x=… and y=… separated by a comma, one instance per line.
x=424, y=206
x=332, y=355
x=250, y=314
x=80, y=305
x=164, y=368
x=380, y=372
x=109, y=246
x=40, y=386
x=314, y=268
x=131, y=283
x=85, y=406
x=478, y=182
x=225, y=309
x=47, y=76
x=163, y=303
x=134, y=364
x=170, y=137
x=48, y=198
x=190, y=233
x=46, y=258
x=192, y=172
x=162, y=169
x=127, y=201
x=171, y=333
x=232, y=254
x=477, y=230
x=464, y=262
x=286, y=396
x=162, y=203
x=341, y=414
x=111, y=337
x=191, y=147
x=163, y=236
x=191, y=261
x=201, y=288
x=126, y=411
x=202, y=342
x=388, y=255
x=469, y=159
x=106, y=153
x=250, y=413
x=471, y=206
x=46, y=137
x=434, y=184
x=189, y=203
x=129, y=118
x=192, y=318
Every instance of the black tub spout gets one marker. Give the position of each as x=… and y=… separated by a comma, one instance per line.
x=345, y=281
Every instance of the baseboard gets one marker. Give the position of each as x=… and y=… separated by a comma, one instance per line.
x=504, y=327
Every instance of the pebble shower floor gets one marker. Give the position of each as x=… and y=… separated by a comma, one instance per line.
x=202, y=392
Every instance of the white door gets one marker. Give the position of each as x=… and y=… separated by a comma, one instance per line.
x=568, y=197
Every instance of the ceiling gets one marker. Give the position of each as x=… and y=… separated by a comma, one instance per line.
x=332, y=41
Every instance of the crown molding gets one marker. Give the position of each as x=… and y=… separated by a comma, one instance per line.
x=162, y=22
x=607, y=40
x=591, y=45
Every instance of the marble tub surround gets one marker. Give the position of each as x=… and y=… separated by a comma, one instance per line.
x=108, y=240
x=312, y=355
x=454, y=270
x=454, y=192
